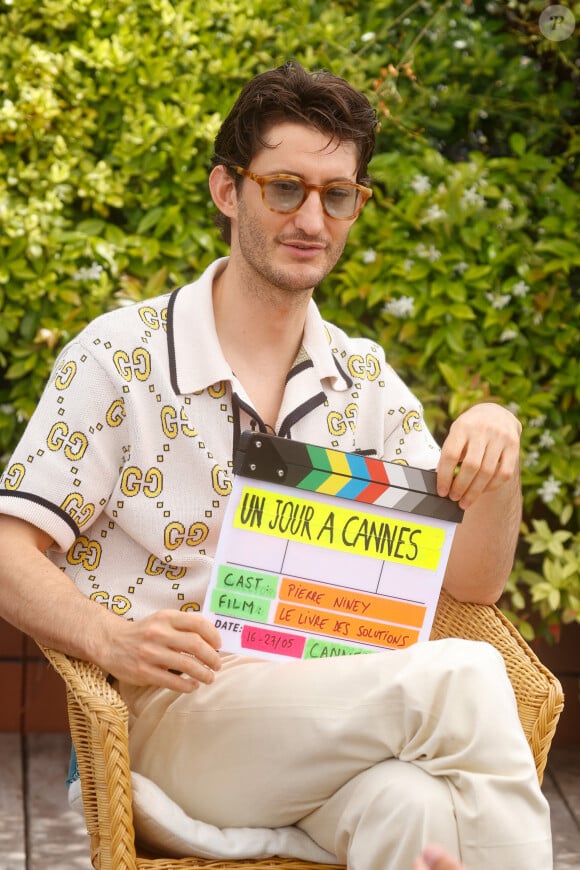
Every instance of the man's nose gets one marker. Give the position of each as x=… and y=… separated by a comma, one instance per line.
x=310, y=216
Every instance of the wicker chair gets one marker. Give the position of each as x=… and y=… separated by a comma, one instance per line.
x=98, y=722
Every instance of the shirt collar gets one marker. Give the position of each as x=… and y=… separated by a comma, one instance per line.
x=196, y=358
x=195, y=355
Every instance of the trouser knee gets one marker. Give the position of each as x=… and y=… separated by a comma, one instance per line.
x=394, y=809
x=473, y=672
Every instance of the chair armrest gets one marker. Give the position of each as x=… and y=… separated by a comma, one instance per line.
x=98, y=719
x=538, y=693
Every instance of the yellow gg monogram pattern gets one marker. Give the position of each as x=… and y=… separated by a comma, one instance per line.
x=127, y=462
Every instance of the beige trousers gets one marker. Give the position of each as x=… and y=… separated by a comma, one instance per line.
x=372, y=755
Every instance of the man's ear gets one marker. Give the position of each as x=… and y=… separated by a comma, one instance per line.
x=223, y=191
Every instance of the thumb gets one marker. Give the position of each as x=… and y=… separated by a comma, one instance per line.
x=437, y=858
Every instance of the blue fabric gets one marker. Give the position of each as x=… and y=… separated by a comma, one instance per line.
x=73, y=767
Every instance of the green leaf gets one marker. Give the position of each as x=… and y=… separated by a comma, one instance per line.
x=526, y=631
x=150, y=219
x=475, y=273
x=452, y=377
x=93, y=227
x=462, y=312
x=22, y=367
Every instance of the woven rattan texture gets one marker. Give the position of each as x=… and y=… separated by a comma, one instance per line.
x=98, y=721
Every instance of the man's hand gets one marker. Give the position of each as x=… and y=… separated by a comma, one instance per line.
x=169, y=649
x=480, y=454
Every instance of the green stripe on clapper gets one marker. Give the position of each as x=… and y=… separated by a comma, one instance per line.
x=319, y=457
x=321, y=469
x=313, y=480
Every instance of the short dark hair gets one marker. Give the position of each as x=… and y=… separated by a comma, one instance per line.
x=289, y=93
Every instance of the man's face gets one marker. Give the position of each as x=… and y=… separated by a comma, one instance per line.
x=293, y=252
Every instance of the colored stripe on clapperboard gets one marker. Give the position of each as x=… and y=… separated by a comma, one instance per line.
x=351, y=476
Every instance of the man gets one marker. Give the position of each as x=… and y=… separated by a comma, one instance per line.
x=123, y=476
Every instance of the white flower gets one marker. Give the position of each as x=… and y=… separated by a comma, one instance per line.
x=403, y=307
x=498, y=300
x=537, y=422
x=408, y=265
x=434, y=213
x=90, y=273
x=470, y=197
x=520, y=289
x=460, y=43
x=369, y=256
x=427, y=253
x=531, y=459
x=421, y=184
x=504, y=204
x=508, y=334
x=549, y=489
x=546, y=439
x=21, y=416
x=461, y=267
x=537, y=318
x=514, y=408
x=368, y=36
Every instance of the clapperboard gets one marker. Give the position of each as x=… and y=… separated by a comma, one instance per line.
x=325, y=553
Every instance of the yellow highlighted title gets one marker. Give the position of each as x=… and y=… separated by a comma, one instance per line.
x=339, y=528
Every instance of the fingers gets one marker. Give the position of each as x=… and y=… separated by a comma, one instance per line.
x=169, y=649
x=480, y=454
x=188, y=646
x=482, y=466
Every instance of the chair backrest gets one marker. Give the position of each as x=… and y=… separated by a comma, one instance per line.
x=99, y=726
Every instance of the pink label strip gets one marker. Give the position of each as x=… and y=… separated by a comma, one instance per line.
x=265, y=640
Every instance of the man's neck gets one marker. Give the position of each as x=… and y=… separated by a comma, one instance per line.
x=258, y=323
x=260, y=334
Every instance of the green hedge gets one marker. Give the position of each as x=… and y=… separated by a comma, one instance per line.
x=465, y=265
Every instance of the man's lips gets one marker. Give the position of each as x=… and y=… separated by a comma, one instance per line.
x=305, y=248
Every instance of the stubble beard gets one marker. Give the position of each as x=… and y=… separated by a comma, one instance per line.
x=293, y=282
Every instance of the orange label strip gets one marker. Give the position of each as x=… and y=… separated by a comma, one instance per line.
x=339, y=626
x=347, y=602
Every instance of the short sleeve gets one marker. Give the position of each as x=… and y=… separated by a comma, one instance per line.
x=63, y=470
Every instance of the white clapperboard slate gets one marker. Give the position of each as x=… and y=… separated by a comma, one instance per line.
x=325, y=553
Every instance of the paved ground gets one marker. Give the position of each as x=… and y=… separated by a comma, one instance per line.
x=39, y=832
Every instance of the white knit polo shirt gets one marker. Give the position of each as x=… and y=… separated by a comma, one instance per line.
x=127, y=460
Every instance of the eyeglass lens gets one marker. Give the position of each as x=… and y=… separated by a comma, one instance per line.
x=338, y=200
